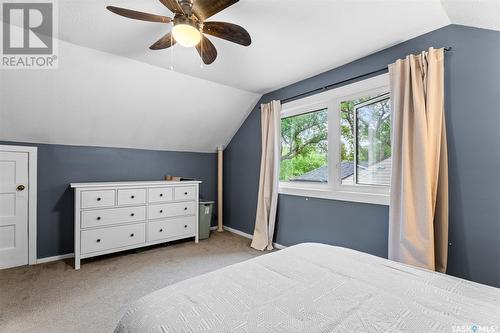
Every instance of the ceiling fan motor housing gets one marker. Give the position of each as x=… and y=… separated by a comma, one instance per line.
x=187, y=6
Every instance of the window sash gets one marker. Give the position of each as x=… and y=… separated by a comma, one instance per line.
x=356, y=139
x=288, y=116
x=330, y=100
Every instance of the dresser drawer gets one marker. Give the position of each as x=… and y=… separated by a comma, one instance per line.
x=185, y=193
x=113, y=237
x=180, y=226
x=171, y=209
x=160, y=194
x=101, y=217
x=96, y=199
x=132, y=197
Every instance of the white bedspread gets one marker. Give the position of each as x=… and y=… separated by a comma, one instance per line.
x=318, y=288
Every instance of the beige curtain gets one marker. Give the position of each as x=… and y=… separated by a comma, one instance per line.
x=418, y=215
x=267, y=200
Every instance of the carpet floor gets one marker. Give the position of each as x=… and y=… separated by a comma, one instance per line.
x=53, y=297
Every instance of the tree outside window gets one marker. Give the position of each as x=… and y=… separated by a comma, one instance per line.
x=304, y=146
x=366, y=141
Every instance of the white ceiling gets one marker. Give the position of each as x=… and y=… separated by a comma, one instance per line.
x=475, y=13
x=111, y=90
x=292, y=39
x=99, y=99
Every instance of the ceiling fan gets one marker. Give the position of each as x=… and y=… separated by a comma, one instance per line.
x=189, y=25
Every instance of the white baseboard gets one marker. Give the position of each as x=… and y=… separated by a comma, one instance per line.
x=55, y=258
x=244, y=234
x=279, y=246
x=231, y=230
x=238, y=232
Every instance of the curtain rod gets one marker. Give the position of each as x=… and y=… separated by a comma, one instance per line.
x=340, y=83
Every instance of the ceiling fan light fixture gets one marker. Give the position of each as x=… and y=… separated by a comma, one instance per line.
x=186, y=34
x=190, y=26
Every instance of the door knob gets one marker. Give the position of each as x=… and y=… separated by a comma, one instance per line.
x=21, y=188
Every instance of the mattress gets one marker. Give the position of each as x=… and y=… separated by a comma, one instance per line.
x=317, y=288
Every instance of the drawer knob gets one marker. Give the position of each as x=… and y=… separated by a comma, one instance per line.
x=131, y=235
x=98, y=199
x=132, y=214
x=98, y=218
x=161, y=211
x=161, y=194
x=98, y=240
x=185, y=208
x=132, y=196
x=161, y=230
x=185, y=226
x=185, y=193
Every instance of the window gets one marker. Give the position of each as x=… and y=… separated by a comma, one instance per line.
x=366, y=141
x=304, y=147
x=337, y=144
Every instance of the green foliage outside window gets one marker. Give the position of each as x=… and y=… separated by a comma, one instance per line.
x=304, y=138
x=304, y=144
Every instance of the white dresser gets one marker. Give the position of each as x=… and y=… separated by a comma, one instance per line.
x=111, y=217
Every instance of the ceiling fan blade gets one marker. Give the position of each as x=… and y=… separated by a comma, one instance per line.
x=164, y=42
x=133, y=14
x=207, y=50
x=228, y=31
x=203, y=9
x=173, y=6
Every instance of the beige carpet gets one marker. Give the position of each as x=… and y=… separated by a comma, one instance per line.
x=53, y=297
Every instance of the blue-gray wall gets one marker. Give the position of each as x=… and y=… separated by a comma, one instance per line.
x=59, y=165
x=473, y=116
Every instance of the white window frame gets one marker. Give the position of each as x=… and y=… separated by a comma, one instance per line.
x=330, y=100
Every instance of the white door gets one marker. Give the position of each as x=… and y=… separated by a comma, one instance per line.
x=13, y=209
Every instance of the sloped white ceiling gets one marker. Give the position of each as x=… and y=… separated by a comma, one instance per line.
x=111, y=90
x=292, y=39
x=475, y=13
x=99, y=99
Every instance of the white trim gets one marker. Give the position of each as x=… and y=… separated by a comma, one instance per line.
x=55, y=258
x=32, y=195
x=331, y=101
x=231, y=230
x=238, y=232
x=244, y=234
x=279, y=246
x=369, y=198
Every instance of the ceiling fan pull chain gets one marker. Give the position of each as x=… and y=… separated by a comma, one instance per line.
x=201, y=58
x=171, y=52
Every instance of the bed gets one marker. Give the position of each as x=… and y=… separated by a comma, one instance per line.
x=317, y=288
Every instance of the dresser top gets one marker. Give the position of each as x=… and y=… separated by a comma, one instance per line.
x=144, y=183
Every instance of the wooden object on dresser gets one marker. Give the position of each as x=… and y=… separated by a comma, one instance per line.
x=112, y=217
